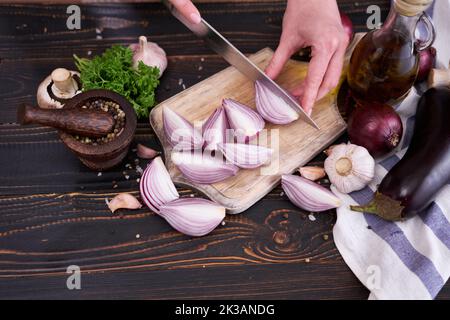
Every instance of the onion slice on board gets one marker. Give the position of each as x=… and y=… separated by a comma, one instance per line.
x=203, y=168
x=245, y=121
x=179, y=132
x=272, y=107
x=246, y=156
x=215, y=128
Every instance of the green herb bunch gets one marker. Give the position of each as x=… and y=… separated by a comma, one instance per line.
x=114, y=70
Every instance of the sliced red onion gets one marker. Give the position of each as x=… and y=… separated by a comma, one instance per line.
x=156, y=186
x=272, y=107
x=308, y=195
x=246, y=156
x=245, y=121
x=215, y=128
x=179, y=132
x=193, y=216
x=203, y=168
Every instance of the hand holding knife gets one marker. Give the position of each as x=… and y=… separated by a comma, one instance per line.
x=233, y=56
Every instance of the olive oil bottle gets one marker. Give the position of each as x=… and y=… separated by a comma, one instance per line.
x=384, y=64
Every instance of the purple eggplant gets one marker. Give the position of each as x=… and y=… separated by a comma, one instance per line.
x=412, y=184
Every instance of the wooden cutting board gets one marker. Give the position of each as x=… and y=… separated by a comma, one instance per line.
x=298, y=142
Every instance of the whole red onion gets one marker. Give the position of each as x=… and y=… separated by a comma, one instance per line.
x=427, y=61
x=347, y=24
x=376, y=127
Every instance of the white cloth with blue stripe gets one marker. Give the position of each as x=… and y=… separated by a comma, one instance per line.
x=408, y=259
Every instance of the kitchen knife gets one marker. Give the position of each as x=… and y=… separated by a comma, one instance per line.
x=237, y=59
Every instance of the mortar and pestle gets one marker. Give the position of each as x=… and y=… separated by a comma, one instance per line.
x=73, y=121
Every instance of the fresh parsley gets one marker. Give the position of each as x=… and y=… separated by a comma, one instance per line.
x=114, y=70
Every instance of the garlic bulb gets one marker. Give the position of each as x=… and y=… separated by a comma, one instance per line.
x=150, y=54
x=349, y=167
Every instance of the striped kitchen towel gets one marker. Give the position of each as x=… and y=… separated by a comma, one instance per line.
x=408, y=259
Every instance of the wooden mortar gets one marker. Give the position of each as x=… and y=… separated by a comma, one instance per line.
x=103, y=156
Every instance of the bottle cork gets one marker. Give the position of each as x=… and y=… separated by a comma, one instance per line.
x=411, y=7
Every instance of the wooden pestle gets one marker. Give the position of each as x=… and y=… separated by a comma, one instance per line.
x=83, y=122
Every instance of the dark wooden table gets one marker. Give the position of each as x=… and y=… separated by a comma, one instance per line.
x=52, y=209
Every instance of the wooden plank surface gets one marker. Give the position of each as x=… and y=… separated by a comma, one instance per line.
x=52, y=209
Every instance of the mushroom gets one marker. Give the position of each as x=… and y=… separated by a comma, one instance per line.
x=60, y=86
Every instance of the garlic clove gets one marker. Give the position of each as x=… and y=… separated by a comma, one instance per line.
x=150, y=54
x=246, y=156
x=329, y=150
x=193, y=216
x=179, y=132
x=312, y=173
x=308, y=195
x=123, y=201
x=350, y=167
x=144, y=152
x=203, y=168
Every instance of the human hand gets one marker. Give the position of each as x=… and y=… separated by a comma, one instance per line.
x=314, y=23
x=187, y=9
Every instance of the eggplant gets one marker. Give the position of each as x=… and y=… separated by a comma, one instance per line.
x=413, y=183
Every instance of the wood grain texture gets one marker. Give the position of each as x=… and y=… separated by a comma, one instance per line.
x=294, y=144
x=52, y=209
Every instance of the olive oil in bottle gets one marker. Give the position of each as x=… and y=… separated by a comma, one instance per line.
x=384, y=64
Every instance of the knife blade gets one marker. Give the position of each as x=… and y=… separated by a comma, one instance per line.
x=233, y=56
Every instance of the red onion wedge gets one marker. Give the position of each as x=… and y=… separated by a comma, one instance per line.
x=179, y=132
x=308, y=195
x=203, y=168
x=246, y=156
x=215, y=128
x=245, y=121
x=272, y=107
x=193, y=216
x=156, y=186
